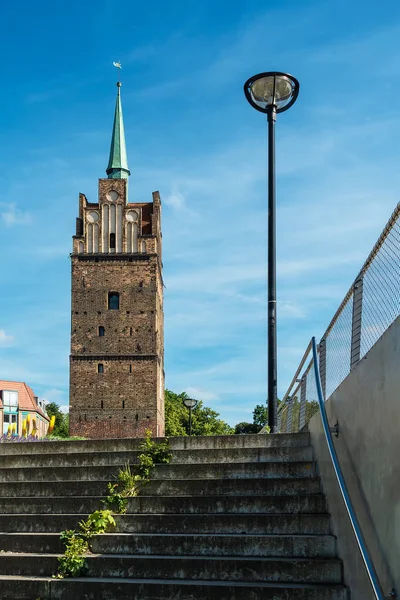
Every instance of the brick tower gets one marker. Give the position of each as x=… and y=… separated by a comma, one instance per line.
x=117, y=325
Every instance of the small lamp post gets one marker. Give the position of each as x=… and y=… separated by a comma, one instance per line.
x=190, y=403
x=272, y=93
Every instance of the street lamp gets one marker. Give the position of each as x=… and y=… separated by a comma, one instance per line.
x=272, y=93
x=190, y=403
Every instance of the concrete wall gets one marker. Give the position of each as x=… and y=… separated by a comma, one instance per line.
x=367, y=406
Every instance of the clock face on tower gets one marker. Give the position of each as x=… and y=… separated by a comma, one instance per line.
x=112, y=196
x=93, y=217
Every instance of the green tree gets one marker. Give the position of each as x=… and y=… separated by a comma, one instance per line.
x=205, y=421
x=61, y=427
x=245, y=427
x=260, y=415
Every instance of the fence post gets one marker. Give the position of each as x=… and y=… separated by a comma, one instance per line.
x=322, y=365
x=290, y=414
x=355, y=353
x=303, y=402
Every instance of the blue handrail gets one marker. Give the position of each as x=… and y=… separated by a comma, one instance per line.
x=342, y=484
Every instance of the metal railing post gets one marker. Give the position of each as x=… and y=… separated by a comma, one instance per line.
x=290, y=415
x=355, y=352
x=303, y=402
x=279, y=422
x=322, y=364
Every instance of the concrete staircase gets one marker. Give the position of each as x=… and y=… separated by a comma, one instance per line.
x=231, y=518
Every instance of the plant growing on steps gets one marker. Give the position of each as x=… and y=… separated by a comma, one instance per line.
x=73, y=562
x=126, y=486
x=129, y=483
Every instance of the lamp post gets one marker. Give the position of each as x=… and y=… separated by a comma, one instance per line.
x=190, y=403
x=272, y=93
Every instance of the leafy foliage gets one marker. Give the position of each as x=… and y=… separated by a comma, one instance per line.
x=125, y=487
x=128, y=483
x=260, y=418
x=61, y=427
x=245, y=427
x=97, y=522
x=260, y=415
x=205, y=421
x=72, y=563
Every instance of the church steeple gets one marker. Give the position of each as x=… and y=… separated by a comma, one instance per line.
x=118, y=161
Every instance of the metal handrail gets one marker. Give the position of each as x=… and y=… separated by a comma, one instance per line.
x=296, y=375
x=373, y=578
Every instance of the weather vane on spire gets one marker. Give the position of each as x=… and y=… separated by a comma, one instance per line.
x=118, y=66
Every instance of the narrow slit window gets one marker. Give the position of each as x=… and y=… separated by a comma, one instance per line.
x=112, y=240
x=101, y=331
x=130, y=331
x=100, y=368
x=130, y=368
x=113, y=301
x=123, y=403
x=102, y=404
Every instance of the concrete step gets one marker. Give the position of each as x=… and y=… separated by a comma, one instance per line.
x=26, y=588
x=232, y=455
x=235, y=470
x=281, y=570
x=181, y=544
x=317, y=523
x=177, y=443
x=160, y=487
x=233, y=487
x=50, y=474
x=165, y=471
x=239, y=441
x=64, y=460
x=241, y=455
x=217, y=545
x=181, y=505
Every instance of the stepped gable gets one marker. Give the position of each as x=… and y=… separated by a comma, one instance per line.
x=230, y=518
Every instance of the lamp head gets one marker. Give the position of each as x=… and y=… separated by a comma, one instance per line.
x=190, y=402
x=273, y=89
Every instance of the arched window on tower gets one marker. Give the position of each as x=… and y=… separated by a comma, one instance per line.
x=101, y=331
x=112, y=240
x=100, y=368
x=113, y=301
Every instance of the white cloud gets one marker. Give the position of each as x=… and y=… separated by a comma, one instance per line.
x=201, y=394
x=175, y=200
x=5, y=340
x=287, y=309
x=11, y=215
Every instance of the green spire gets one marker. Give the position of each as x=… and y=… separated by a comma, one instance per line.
x=118, y=161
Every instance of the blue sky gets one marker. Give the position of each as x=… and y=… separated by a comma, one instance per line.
x=191, y=135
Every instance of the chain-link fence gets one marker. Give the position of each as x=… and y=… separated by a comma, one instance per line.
x=368, y=309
